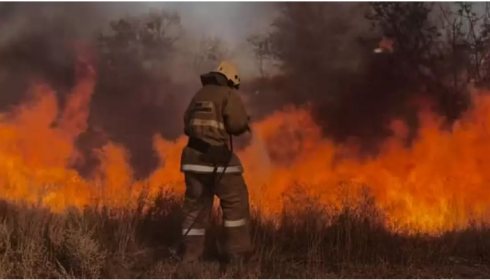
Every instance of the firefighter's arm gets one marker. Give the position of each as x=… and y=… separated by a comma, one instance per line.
x=235, y=116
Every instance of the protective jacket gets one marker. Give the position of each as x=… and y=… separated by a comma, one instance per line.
x=215, y=112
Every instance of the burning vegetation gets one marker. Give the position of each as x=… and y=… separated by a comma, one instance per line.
x=349, y=148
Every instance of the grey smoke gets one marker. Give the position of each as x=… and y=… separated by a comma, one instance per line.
x=33, y=44
x=233, y=22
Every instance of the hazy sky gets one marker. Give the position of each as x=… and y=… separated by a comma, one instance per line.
x=231, y=21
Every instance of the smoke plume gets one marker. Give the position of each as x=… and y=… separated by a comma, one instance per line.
x=133, y=99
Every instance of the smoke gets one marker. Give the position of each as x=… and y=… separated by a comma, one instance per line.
x=353, y=91
x=324, y=64
x=326, y=56
x=39, y=42
x=35, y=37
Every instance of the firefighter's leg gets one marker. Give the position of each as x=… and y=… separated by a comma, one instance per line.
x=234, y=201
x=197, y=206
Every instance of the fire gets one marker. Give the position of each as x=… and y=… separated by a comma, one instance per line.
x=34, y=156
x=385, y=45
x=437, y=184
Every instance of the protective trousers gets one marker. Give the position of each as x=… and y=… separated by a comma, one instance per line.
x=233, y=194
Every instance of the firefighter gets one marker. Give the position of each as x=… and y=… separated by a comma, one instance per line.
x=215, y=113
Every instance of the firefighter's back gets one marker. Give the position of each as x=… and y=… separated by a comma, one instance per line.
x=214, y=113
x=203, y=118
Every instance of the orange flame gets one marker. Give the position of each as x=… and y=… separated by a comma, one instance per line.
x=439, y=183
x=385, y=45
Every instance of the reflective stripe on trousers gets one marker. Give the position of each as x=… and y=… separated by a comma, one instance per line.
x=236, y=223
x=201, y=232
x=193, y=232
x=210, y=169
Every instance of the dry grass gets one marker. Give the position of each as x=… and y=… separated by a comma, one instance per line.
x=35, y=243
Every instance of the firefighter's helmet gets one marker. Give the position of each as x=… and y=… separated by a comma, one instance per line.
x=229, y=70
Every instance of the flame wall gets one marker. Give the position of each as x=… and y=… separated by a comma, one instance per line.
x=438, y=183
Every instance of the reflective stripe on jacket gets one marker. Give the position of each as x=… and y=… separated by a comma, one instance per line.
x=196, y=168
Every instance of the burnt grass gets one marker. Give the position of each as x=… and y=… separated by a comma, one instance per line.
x=119, y=243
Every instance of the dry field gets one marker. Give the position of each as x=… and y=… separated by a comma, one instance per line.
x=35, y=243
